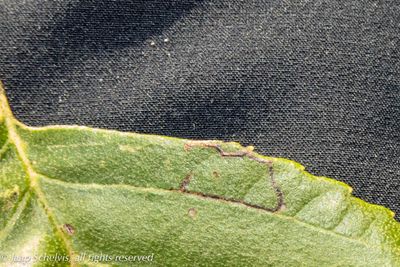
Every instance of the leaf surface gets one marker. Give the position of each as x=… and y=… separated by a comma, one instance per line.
x=76, y=193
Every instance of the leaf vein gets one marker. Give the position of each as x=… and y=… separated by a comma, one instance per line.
x=4, y=148
x=16, y=215
x=177, y=191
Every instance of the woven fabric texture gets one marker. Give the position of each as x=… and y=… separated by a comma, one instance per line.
x=313, y=81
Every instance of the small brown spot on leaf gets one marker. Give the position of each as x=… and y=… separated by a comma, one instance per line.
x=9, y=197
x=216, y=174
x=69, y=229
x=192, y=212
x=185, y=183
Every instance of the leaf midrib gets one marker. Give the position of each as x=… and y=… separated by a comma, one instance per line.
x=15, y=139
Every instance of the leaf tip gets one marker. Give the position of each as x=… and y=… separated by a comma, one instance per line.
x=5, y=110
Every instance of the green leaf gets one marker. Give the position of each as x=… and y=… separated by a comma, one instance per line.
x=71, y=194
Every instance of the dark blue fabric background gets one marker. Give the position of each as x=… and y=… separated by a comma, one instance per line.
x=314, y=81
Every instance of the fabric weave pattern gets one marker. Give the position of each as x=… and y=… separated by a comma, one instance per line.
x=314, y=81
